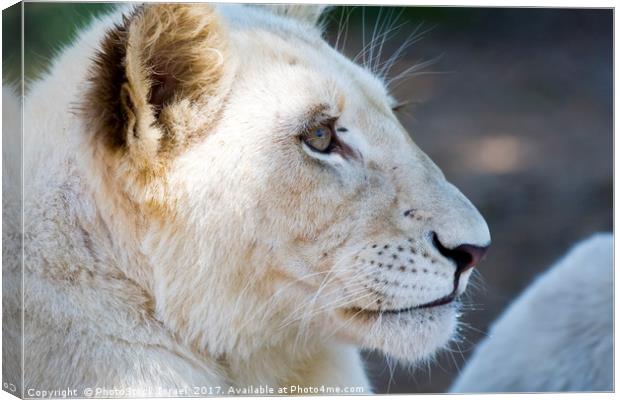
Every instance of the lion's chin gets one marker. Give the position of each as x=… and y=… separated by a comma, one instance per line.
x=409, y=336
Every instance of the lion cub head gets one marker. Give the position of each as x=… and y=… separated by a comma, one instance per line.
x=273, y=191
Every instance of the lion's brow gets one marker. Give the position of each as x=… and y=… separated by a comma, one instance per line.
x=315, y=115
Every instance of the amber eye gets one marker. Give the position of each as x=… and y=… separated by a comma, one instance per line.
x=319, y=138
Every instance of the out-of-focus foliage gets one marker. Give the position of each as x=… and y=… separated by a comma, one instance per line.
x=11, y=42
x=47, y=27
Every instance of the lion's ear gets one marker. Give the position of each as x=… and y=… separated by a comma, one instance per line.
x=160, y=56
x=310, y=13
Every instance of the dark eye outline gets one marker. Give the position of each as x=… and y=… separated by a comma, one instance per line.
x=401, y=105
x=333, y=141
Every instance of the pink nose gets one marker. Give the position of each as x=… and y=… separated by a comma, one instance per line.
x=465, y=256
x=468, y=256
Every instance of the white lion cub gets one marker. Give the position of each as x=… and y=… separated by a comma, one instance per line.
x=216, y=198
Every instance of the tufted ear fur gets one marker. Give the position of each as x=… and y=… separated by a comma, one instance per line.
x=310, y=13
x=153, y=69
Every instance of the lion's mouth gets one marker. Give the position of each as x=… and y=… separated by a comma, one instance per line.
x=435, y=303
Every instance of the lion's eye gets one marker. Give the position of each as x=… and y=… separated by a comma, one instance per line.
x=319, y=138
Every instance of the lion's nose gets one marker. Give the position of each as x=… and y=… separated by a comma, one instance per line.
x=465, y=256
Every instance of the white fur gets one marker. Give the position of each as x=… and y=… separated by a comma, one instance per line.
x=252, y=277
x=558, y=335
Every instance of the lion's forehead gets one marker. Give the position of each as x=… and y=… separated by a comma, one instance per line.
x=274, y=52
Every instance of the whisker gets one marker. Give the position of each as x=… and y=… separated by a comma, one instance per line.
x=408, y=72
x=274, y=296
x=338, y=303
x=415, y=36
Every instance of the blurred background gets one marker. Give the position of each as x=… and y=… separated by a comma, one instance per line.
x=514, y=104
